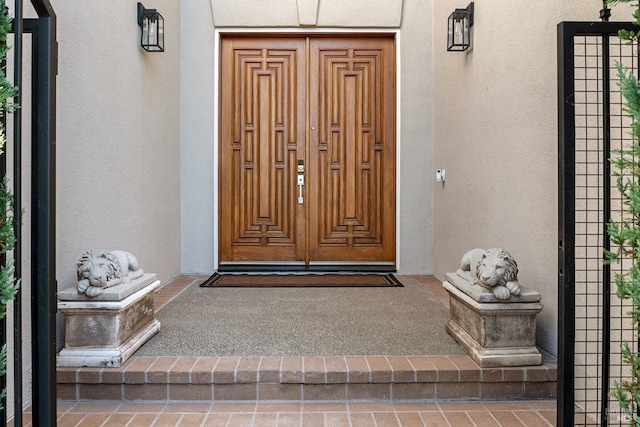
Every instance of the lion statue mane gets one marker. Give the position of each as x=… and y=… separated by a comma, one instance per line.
x=100, y=269
x=493, y=269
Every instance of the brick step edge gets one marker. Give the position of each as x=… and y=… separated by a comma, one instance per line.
x=330, y=378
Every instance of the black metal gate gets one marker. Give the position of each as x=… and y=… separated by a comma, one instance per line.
x=592, y=125
x=39, y=250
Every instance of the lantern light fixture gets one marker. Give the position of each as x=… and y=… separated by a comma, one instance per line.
x=459, y=29
x=151, y=29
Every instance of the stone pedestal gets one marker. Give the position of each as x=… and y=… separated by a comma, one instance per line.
x=494, y=333
x=106, y=330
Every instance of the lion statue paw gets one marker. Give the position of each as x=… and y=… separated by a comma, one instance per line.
x=495, y=269
x=100, y=269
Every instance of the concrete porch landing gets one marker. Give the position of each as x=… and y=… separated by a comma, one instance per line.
x=380, y=378
x=389, y=390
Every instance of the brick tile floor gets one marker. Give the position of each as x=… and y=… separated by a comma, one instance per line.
x=520, y=413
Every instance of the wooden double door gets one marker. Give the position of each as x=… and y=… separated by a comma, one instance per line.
x=307, y=151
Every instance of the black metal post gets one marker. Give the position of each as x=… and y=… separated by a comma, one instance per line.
x=605, y=13
x=566, y=224
x=17, y=213
x=43, y=219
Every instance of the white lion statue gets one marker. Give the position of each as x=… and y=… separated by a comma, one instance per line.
x=495, y=269
x=100, y=269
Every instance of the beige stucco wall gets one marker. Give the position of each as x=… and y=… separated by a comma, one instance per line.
x=415, y=85
x=199, y=127
x=496, y=136
x=416, y=81
x=118, y=138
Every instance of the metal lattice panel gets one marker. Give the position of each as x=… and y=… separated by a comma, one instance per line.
x=593, y=127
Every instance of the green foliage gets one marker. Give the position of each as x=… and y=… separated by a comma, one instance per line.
x=625, y=233
x=628, y=392
x=8, y=284
x=7, y=89
x=625, y=240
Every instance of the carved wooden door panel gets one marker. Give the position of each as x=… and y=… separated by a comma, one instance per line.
x=330, y=103
x=262, y=136
x=352, y=150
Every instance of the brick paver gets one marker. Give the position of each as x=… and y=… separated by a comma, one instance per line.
x=92, y=414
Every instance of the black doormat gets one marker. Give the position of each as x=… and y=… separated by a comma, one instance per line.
x=235, y=280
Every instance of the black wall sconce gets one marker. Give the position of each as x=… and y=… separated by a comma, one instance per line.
x=459, y=29
x=151, y=29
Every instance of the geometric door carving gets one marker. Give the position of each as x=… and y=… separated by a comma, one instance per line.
x=352, y=150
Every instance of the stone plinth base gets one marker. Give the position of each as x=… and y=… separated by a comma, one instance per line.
x=494, y=333
x=106, y=330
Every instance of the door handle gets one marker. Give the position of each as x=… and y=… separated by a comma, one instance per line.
x=300, y=185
